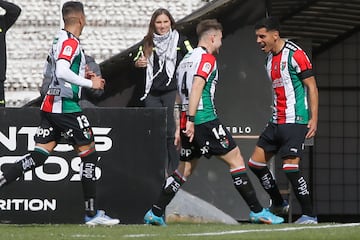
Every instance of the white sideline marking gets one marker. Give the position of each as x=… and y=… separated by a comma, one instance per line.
x=270, y=230
x=87, y=236
x=249, y=231
x=140, y=235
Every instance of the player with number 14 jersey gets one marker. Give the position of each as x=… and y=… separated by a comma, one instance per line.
x=202, y=64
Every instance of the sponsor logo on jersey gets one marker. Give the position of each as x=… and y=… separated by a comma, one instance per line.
x=206, y=67
x=299, y=118
x=67, y=51
x=277, y=83
x=185, y=64
x=54, y=91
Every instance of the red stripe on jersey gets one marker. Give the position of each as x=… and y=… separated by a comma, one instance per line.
x=279, y=90
x=206, y=65
x=48, y=103
x=302, y=60
x=68, y=49
x=183, y=120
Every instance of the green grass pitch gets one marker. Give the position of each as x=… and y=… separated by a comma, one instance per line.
x=177, y=231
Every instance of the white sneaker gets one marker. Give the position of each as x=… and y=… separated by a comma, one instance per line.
x=305, y=219
x=101, y=219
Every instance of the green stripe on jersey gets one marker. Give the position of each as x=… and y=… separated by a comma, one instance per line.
x=208, y=112
x=301, y=111
x=70, y=106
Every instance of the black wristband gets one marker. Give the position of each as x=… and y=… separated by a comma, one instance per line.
x=191, y=118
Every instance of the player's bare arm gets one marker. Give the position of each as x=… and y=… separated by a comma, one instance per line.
x=177, y=110
x=195, y=95
x=314, y=105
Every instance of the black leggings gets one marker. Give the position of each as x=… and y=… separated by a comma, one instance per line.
x=167, y=99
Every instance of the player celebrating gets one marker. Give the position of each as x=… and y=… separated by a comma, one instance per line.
x=61, y=115
x=201, y=131
x=292, y=79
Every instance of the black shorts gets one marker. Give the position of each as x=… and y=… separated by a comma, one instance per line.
x=211, y=138
x=73, y=128
x=285, y=139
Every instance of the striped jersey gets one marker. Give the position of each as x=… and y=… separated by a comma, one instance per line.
x=63, y=96
x=199, y=63
x=286, y=70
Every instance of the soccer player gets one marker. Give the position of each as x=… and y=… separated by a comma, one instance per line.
x=293, y=81
x=201, y=131
x=61, y=115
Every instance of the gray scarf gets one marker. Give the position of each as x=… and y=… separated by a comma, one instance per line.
x=166, y=49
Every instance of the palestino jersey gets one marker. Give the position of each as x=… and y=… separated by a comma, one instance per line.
x=63, y=96
x=286, y=70
x=202, y=64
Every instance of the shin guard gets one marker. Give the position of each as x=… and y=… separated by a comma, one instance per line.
x=300, y=187
x=171, y=187
x=24, y=164
x=267, y=180
x=245, y=188
x=88, y=179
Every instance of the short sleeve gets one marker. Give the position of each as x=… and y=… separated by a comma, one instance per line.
x=68, y=49
x=206, y=65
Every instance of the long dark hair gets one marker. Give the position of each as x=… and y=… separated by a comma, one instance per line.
x=148, y=39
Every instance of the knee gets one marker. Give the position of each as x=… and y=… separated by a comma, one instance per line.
x=291, y=160
x=236, y=160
